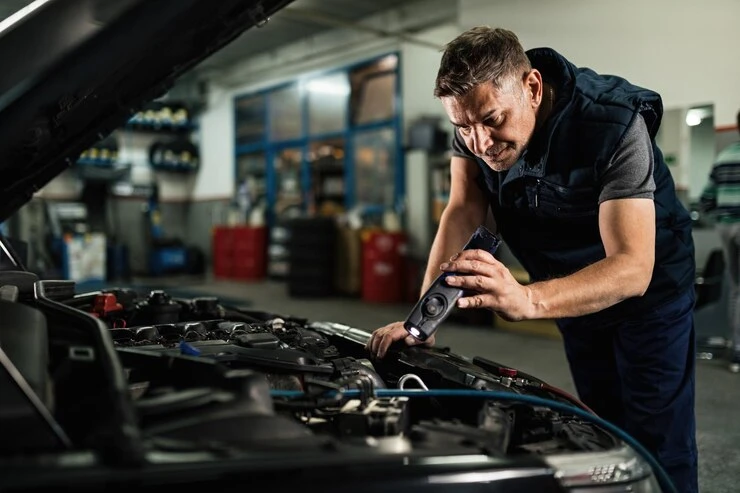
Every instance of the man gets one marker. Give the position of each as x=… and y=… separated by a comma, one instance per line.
x=721, y=198
x=567, y=162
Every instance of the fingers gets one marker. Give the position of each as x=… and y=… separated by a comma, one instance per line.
x=475, y=283
x=472, y=261
x=476, y=301
x=477, y=254
x=487, y=283
x=372, y=344
x=396, y=332
x=382, y=339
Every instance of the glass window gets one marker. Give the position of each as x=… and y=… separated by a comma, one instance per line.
x=250, y=119
x=375, y=167
x=285, y=113
x=328, y=184
x=251, y=177
x=327, y=103
x=348, y=111
x=289, y=194
x=374, y=91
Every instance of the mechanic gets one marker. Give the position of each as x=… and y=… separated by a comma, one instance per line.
x=566, y=160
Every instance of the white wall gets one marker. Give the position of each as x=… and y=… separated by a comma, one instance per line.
x=419, y=69
x=215, y=179
x=684, y=50
x=66, y=186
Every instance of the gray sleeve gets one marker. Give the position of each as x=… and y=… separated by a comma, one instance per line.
x=630, y=172
x=459, y=148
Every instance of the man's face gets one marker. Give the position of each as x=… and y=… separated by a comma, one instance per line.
x=497, y=123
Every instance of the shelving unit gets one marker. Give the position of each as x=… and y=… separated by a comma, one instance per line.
x=328, y=177
x=162, y=134
x=155, y=150
x=289, y=194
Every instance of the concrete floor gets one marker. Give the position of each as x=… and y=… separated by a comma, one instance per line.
x=718, y=390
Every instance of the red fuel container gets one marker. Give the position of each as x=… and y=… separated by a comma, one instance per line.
x=383, y=266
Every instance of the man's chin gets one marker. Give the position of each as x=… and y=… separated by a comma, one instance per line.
x=507, y=161
x=503, y=165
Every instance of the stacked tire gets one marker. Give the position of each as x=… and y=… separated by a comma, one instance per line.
x=278, y=262
x=311, y=254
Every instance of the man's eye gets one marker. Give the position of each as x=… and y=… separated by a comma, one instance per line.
x=495, y=122
x=464, y=130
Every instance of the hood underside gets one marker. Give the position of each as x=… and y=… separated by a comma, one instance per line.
x=75, y=70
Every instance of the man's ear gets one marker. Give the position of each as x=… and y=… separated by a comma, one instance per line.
x=533, y=86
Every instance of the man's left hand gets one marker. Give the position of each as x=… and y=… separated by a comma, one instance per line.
x=494, y=287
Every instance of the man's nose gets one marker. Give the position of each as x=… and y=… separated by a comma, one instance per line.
x=482, y=140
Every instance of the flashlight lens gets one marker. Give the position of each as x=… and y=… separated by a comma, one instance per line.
x=414, y=332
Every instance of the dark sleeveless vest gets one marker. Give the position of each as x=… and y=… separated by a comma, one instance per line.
x=546, y=205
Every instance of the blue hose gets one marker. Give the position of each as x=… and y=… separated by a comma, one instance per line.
x=663, y=479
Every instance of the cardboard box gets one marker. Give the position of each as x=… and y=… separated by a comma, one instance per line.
x=348, y=272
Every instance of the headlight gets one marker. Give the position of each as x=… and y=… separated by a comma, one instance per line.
x=589, y=470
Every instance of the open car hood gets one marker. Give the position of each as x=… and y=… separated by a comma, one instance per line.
x=75, y=70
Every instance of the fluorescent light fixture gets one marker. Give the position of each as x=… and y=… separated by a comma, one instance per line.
x=20, y=14
x=327, y=87
x=694, y=116
x=692, y=119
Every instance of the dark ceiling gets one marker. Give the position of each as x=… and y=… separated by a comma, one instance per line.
x=301, y=19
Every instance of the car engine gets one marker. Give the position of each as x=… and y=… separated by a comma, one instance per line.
x=313, y=358
x=138, y=377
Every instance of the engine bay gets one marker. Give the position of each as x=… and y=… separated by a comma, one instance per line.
x=199, y=372
x=141, y=381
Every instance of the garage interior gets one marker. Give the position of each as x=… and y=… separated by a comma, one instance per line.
x=303, y=169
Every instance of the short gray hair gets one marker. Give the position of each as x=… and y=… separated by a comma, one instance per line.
x=481, y=54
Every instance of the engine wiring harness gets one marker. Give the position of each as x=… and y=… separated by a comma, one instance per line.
x=364, y=394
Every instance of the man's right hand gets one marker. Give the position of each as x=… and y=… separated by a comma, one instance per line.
x=383, y=337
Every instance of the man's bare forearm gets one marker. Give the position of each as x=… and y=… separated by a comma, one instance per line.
x=455, y=227
x=592, y=289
